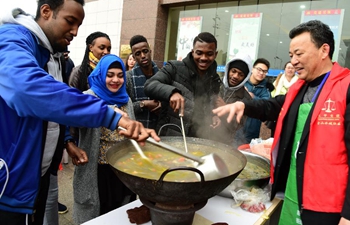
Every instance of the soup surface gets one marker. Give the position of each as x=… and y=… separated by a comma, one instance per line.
x=160, y=160
x=253, y=171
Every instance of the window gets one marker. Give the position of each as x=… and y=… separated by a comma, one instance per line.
x=278, y=18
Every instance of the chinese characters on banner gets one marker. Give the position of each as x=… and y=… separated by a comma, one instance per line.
x=244, y=35
x=189, y=28
x=333, y=18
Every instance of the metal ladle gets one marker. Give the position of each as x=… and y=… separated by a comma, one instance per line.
x=183, y=131
x=212, y=166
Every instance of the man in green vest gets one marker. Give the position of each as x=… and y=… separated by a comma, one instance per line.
x=311, y=149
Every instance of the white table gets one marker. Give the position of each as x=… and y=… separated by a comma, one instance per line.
x=218, y=209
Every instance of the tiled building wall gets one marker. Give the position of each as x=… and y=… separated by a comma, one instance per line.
x=121, y=19
x=100, y=15
x=147, y=18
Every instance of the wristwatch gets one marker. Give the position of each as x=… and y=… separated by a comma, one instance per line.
x=142, y=104
x=69, y=140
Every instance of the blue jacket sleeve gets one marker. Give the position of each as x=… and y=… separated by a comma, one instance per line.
x=30, y=91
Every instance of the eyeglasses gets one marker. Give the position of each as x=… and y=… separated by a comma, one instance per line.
x=261, y=70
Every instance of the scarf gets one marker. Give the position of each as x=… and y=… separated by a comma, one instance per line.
x=282, y=86
x=93, y=60
x=97, y=81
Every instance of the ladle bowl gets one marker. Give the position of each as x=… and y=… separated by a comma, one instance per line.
x=211, y=165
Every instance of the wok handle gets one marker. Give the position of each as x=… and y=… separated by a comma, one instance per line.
x=175, y=150
x=161, y=178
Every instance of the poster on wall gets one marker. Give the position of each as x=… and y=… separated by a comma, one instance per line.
x=333, y=18
x=189, y=28
x=244, y=35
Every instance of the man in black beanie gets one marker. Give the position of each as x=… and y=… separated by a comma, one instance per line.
x=237, y=73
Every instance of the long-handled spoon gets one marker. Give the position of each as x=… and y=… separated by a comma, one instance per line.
x=148, y=160
x=183, y=131
x=138, y=149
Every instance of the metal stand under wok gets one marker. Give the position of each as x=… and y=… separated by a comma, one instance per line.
x=162, y=214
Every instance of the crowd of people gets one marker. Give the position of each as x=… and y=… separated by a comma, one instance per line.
x=48, y=109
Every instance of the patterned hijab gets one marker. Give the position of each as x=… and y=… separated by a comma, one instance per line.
x=97, y=82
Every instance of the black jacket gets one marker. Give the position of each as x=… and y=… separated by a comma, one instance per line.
x=199, y=93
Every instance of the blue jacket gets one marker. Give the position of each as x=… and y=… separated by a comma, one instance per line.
x=252, y=126
x=29, y=96
x=260, y=91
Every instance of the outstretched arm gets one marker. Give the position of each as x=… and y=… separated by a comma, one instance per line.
x=234, y=109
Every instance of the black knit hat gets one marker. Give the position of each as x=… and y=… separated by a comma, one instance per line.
x=241, y=65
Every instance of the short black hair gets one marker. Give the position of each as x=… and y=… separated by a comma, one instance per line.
x=205, y=37
x=320, y=34
x=263, y=61
x=137, y=39
x=55, y=5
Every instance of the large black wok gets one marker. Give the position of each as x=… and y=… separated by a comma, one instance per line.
x=179, y=193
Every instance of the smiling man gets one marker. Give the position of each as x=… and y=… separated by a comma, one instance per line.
x=189, y=87
x=311, y=148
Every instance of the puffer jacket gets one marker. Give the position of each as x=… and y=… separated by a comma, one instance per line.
x=199, y=95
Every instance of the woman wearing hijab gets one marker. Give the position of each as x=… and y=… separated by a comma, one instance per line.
x=97, y=190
